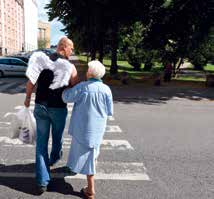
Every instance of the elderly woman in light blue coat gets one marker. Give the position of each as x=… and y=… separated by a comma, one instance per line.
x=92, y=105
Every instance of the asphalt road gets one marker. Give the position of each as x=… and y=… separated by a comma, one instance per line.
x=165, y=148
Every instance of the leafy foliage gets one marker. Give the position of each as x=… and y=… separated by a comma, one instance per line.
x=143, y=30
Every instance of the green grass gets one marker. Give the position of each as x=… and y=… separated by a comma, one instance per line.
x=137, y=75
x=190, y=78
x=209, y=68
x=124, y=66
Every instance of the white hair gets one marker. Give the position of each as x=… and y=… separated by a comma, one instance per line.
x=96, y=69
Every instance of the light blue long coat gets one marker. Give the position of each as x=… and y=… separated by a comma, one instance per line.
x=92, y=105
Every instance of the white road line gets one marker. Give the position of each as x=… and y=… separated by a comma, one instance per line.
x=113, y=129
x=98, y=176
x=116, y=144
x=110, y=129
x=11, y=141
x=9, y=113
x=5, y=123
x=106, y=144
x=4, y=127
x=111, y=118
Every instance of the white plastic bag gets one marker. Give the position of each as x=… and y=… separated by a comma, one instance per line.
x=24, y=126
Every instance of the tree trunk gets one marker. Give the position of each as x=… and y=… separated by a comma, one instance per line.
x=174, y=68
x=148, y=65
x=87, y=57
x=93, y=54
x=179, y=64
x=93, y=28
x=114, y=46
x=101, y=53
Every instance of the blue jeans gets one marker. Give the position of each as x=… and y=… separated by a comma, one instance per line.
x=46, y=118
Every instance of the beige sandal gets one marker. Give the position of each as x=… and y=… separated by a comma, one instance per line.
x=87, y=194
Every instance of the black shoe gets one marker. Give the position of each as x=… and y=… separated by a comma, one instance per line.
x=41, y=189
x=53, y=162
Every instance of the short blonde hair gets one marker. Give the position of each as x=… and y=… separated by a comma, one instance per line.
x=96, y=69
x=63, y=43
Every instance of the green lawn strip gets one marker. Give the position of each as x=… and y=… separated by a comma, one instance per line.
x=190, y=78
x=209, y=68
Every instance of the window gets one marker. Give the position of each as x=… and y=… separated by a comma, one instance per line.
x=17, y=62
x=4, y=61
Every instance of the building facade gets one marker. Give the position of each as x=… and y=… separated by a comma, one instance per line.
x=30, y=25
x=43, y=34
x=11, y=26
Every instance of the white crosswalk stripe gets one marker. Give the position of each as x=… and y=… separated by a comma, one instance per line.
x=109, y=128
x=106, y=144
x=113, y=129
x=111, y=118
x=5, y=123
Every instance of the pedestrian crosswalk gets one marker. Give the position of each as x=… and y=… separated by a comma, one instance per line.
x=106, y=169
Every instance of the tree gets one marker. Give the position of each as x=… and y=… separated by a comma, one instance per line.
x=42, y=43
x=200, y=56
x=93, y=19
x=172, y=27
x=182, y=25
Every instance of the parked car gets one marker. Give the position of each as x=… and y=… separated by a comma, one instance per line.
x=48, y=51
x=24, y=58
x=12, y=66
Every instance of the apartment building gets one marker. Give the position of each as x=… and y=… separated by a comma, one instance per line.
x=11, y=26
x=43, y=34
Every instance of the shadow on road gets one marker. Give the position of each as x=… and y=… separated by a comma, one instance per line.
x=28, y=184
x=12, y=85
x=137, y=93
x=159, y=95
